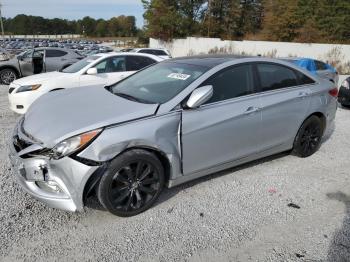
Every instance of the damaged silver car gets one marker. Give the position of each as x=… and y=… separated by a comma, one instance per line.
x=168, y=124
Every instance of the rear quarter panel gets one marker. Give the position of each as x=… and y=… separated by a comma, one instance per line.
x=322, y=102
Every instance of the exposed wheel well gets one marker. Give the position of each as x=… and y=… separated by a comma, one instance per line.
x=94, y=179
x=320, y=116
x=12, y=68
x=160, y=155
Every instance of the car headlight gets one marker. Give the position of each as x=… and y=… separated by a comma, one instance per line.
x=28, y=88
x=73, y=144
x=345, y=84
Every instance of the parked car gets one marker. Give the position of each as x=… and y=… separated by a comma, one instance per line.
x=99, y=69
x=170, y=123
x=316, y=67
x=161, y=52
x=344, y=93
x=36, y=61
x=126, y=49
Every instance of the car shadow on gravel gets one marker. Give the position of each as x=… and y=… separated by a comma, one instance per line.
x=93, y=203
x=171, y=192
x=339, y=250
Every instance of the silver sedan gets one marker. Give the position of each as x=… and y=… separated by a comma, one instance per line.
x=168, y=124
x=36, y=61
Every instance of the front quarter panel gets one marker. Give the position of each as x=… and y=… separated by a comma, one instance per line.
x=159, y=133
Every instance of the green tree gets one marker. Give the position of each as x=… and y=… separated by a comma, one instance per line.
x=101, y=28
x=332, y=17
x=281, y=22
x=163, y=20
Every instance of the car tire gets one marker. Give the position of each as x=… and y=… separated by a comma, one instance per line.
x=7, y=76
x=132, y=183
x=308, y=139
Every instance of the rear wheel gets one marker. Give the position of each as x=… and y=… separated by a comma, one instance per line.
x=132, y=183
x=308, y=139
x=7, y=76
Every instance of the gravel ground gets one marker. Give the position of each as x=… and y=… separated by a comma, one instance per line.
x=241, y=214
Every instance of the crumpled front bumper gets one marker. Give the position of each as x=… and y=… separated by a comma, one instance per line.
x=68, y=174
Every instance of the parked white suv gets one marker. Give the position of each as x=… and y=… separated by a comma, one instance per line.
x=161, y=52
x=95, y=70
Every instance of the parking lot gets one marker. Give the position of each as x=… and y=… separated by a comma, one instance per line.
x=281, y=208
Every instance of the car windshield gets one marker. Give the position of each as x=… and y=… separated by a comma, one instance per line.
x=80, y=64
x=159, y=83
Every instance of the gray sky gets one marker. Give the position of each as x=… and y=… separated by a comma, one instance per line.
x=74, y=9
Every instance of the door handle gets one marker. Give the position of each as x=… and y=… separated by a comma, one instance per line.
x=252, y=109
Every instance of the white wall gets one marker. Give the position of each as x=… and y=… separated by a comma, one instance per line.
x=194, y=45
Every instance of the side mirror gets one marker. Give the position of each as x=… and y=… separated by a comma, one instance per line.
x=20, y=58
x=200, y=96
x=92, y=71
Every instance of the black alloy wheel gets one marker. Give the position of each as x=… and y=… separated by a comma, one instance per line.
x=7, y=76
x=132, y=183
x=308, y=139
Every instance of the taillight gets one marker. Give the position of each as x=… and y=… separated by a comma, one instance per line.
x=333, y=92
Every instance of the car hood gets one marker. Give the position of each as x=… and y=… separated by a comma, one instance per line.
x=41, y=78
x=62, y=114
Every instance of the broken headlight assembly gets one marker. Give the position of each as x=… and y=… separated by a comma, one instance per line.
x=73, y=144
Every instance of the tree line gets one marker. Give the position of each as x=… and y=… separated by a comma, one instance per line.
x=33, y=25
x=273, y=20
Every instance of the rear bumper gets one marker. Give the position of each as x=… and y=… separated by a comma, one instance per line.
x=68, y=175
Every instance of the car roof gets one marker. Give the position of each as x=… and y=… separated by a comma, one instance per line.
x=109, y=54
x=209, y=61
x=149, y=48
x=295, y=58
x=53, y=48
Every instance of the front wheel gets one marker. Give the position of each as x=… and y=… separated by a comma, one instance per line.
x=132, y=183
x=308, y=139
x=7, y=76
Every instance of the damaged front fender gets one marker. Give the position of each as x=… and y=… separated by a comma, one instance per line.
x=160, y=133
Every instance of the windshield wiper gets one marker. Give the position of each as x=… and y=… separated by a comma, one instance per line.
x=132, y=98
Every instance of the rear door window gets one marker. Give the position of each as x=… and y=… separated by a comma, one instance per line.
x=304, y=79
x=273, y=76
x=159, y=52
x=55, y=53
x=111, y=65
x=135, y=63
x=147, y=51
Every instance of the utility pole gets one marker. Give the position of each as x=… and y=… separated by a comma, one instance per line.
x=209, y=16
x=2, y=24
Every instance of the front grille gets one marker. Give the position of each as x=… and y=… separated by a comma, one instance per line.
x=41, y=152
x=11, y=90
x=20, y=144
